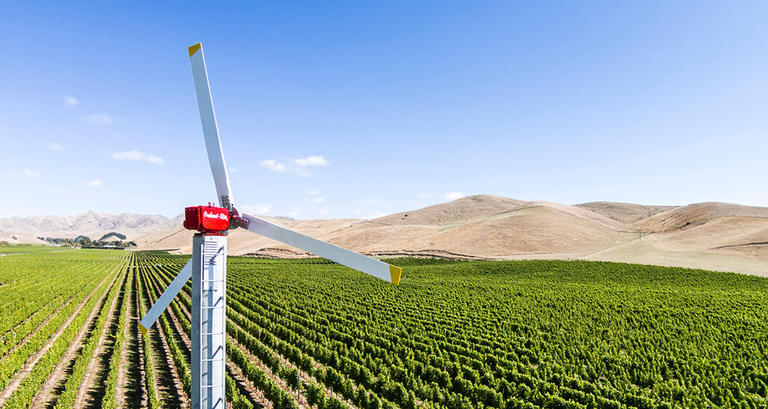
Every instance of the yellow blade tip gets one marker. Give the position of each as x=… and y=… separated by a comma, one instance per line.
x=194, y=48
x=142, y=329
x=394, y=274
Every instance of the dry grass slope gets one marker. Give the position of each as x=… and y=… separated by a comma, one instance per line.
x=717, y=236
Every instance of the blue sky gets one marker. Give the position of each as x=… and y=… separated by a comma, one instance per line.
x=354, y=109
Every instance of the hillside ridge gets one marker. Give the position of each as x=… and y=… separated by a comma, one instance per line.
x=713, y=235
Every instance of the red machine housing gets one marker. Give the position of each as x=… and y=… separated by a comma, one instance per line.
x=206, y=218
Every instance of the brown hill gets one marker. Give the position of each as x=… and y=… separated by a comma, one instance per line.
x=20, y=238
x=717, y=236
x=624, y=212
x=458, y=211
x=697, y=214
x=478, y=227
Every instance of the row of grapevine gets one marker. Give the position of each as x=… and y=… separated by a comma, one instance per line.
x=315, y=394
x=153, y=401
x=308, y=333
x=176, y=344
x=21, y=347
x=265, y=379
x=109, y=400
x=73, y=384
x=522, y=334
x=50, y=355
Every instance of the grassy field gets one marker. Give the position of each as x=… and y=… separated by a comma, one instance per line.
x=313, y=334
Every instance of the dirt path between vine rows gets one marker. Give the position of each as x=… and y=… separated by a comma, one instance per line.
x=92, y=371
x=304, y=375
x=245, y=386
x=139, y=395
x=68, y=356
x=125, y=359
x=165, y=378
x=160, y=332
x=245, y=383
x=49, y=317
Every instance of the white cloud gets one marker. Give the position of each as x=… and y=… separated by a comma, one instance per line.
x=295, y=212
x=314, y=197
x=95, y=183
x=273, y=165
x=298, y=167
x=259, y=209
x=71, y=101
x=100, y=119
x=373, y=200
x=266, y=209
x=135, y=155
x=27, y=173
x=232, y=170
x=454, y=195
x=314, y=160
x=55, y=146
x=31, y=173
x=423, y=195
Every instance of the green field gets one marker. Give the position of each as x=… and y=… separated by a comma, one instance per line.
x=309, y=333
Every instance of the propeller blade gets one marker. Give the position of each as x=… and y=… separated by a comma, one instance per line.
x=349, y=258
x=165, y=299
x=210, y=127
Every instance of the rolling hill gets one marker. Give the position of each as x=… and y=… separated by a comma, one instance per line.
x=718, y=236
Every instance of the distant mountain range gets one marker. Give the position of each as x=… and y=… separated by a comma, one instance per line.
x=91, y=224
x=718, y=236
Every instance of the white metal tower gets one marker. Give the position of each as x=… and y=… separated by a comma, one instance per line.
x=208, y=266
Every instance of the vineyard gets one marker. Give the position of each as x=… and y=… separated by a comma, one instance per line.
x=313, y=334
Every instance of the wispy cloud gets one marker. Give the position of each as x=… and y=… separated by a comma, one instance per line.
x=27, y=173
x=135, y=155
x=266, y=209
x=453, y=195
x=314, y=197
x=55, y=146
x=274, y=165
x=104, y=119
x=259, y=209
x=314, y=160
x=294, y=212
x=71, y=101
x=95, y=183
x=299, y=166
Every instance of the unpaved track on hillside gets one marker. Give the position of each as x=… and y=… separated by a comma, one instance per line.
x=56, y=380
x=95, y=366
x=33, y=360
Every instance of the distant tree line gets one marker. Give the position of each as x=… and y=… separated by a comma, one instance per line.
x=86, y=242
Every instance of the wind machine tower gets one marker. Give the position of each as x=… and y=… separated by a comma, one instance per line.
x=208, y=266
